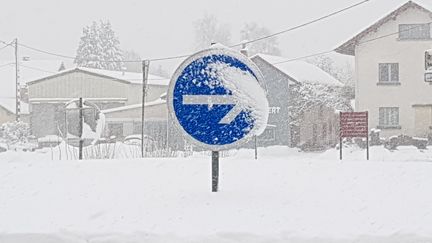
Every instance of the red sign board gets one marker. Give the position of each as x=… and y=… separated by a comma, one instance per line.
x=353, y=124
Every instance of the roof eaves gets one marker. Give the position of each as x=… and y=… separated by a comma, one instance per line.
x=348, y=48
x=277, y=69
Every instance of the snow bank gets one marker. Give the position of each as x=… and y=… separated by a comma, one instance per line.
x=284, y=196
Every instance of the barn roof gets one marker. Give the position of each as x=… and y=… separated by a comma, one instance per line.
x=126, y=77
x=348, y=47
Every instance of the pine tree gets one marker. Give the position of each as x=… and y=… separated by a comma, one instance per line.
x=99, y=48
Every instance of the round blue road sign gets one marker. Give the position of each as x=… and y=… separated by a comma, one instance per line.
x=216, y=98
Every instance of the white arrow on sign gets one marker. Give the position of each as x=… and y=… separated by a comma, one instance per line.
x=211, y=100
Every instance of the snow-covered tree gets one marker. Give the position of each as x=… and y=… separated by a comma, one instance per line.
x=343, y=72
x=305, y=97
x=131, y=55
x=253, y=31
x=208, y=30
x=99, y=47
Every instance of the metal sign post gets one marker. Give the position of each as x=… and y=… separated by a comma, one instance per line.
x=215, y=171
x=205, y=102
x=352, y=125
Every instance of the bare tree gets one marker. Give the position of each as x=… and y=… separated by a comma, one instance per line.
x=208, y=30
x=253, y=31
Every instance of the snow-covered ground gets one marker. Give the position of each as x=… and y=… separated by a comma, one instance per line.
x=284, y=196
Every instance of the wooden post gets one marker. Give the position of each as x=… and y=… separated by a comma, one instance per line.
x=81, y=127
x=340, y=135
x=17, y=88
x=145, y=70
x=367, y=135
x=215, y=171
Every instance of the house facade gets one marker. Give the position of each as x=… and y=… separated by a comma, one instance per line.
x=47, y=96
x=319, y=124
x=389, y=63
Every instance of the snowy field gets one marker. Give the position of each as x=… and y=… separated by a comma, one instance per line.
x=284, y=196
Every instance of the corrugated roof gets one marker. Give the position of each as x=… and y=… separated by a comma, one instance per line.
x=129, y=77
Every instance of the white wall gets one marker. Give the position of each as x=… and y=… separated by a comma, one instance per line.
x=410, y=56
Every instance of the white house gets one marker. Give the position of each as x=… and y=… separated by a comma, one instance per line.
x=389, y=63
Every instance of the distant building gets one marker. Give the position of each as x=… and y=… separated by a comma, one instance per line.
x=389, y=61
x=8, y=110
x=106, y=89
x=319, y=125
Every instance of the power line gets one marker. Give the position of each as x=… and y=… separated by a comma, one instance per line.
x=37, y=69
x=302, y=25
x=7, y=64
x=359, y=43
x=184, y=56
x=6, y=45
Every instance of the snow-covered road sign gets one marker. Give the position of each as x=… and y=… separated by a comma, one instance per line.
x=216, y=98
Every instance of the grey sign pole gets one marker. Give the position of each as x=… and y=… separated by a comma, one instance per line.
x=215, y=171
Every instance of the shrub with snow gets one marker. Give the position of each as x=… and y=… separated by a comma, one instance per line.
x=15, y=132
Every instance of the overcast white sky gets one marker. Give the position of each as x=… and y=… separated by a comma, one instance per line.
x=164, y=28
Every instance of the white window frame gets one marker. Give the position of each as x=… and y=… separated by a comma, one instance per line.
x=389, y=117
x=390, y=67
x=412, y=28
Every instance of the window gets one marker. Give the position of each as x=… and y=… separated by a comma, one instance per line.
x=269, y=134
x=389, y=116
x=414, y=31
x=389, y=72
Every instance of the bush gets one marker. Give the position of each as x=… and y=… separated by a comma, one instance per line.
x=15, y=132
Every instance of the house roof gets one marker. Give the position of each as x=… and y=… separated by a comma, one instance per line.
x=300, y=71
x=348, y=47
x=9, y=104
x=127, y=77
x=134, y=106
x=28, y=70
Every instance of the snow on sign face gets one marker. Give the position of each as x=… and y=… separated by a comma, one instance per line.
x=216, y=98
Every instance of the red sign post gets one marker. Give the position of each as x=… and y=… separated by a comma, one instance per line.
x=354, y=125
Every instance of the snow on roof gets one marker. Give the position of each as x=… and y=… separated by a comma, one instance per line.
x=128, y=107
x=9, y=104
x=129, y=77
x=300, y=71
x=132, y=77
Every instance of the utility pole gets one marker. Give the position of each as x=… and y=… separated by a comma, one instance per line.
x=17, y=88
x=145, y=70
x=81, y=128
